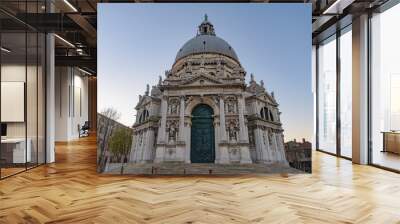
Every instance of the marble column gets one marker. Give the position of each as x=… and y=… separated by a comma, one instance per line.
x=161, y=131
x=275, y=147
x=222, y=127
x=281, y=147
x=259, y=142
x=223, y=148
x=142, y=145
x=188, y=143
x=182, y=119
x=137, y=147
x=180, y=147
x=148, y=150
x=269, y=154
x=163, y=123
x=243, y=135
x=132, y=156
x=216, y=141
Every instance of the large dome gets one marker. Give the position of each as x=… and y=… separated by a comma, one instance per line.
x=206, y=42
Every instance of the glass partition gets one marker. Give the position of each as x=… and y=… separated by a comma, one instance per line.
x=346, y=92
x=385, y=89
x=327, y=95
x=13, y=105
x=22, y=78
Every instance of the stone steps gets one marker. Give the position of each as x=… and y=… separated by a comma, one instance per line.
x=172, y=168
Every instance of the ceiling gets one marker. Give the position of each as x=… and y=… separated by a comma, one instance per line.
x=75, y=22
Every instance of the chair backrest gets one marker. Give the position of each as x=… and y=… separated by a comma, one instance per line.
x=86, y=125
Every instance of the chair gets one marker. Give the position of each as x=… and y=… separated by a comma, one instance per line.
x=84, y=130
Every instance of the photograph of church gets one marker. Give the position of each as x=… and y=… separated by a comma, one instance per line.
x=202, y=111
x=205, y=115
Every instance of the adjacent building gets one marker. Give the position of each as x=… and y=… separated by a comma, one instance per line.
x=298, y=154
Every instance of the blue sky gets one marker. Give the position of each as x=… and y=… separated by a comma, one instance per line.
x=138, y=42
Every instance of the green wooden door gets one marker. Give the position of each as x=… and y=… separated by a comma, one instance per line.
x=202, y=135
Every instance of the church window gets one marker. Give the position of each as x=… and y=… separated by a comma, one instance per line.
x=143, y=116
x=264, y=113
x=271, y=117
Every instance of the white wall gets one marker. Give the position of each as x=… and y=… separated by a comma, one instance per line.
x=71, y=102
x=17, y=73
x=33, y=126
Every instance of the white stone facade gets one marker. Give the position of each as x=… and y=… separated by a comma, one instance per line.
x=246, y=118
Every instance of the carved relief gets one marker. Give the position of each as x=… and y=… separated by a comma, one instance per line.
x=168, y=73
x=172, y=130
x=170, y=151
x=234, y=151
x=215, y=99
x=188, y=100
x=220, y=68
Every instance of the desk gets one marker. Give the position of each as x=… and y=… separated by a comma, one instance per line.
x=391, y=142
x=13, y=150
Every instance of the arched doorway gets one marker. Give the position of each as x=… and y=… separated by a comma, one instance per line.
x=202, y=135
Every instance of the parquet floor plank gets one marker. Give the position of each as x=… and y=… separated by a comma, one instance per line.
x=70, y=191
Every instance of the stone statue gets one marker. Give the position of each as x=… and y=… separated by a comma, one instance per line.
x=159, y=80
x=232, y=134
x=232, y=130
x=251, y=137
x=270, y=137
x=231, y=107
x=172, y=131
x=141, y=139
x=172, y=134
x=174, y=106
x=189, y=67
x=262, y=83
x=264, y=138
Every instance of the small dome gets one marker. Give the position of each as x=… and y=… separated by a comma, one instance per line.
x=206, y=42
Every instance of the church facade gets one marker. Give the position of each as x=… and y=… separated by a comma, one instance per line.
x=202, y=111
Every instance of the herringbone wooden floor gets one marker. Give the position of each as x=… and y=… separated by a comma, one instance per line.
x=70, y=191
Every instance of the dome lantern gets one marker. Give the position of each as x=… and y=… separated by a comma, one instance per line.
x=206, y=28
